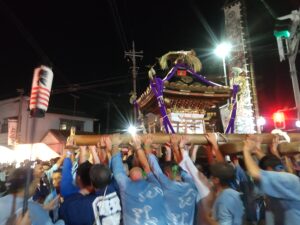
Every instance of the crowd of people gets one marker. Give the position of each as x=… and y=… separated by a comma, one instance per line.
x=149, y=184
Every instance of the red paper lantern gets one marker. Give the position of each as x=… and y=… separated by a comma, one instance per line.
x=40, y=91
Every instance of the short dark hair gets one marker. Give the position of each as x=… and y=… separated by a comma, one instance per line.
x=172, y=167
x=100, y=176
x=59, y=170
x=224, y=171
x=17, y=179
x=269, y=161
x=83, y=171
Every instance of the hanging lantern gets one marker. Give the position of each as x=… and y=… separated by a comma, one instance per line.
x=40, y=91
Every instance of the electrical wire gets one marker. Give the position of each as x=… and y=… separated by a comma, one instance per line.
x=118, y=23
x=269, y=9
x=29, y=38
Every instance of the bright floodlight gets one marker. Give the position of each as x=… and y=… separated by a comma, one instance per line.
x=261, y=121
x=297, y=123
x=223, y=49
x=132, y=130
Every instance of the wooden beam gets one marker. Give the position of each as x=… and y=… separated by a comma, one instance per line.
x=161, y=138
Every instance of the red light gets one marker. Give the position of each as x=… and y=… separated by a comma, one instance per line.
x=279, y=120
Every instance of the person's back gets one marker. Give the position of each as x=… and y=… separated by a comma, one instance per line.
x=180, y=196
x=142, y=200
x=77, y=209
x=281, y=189
x=106, y=206
x=228, y=207
x=282, y=192
x=283, y=202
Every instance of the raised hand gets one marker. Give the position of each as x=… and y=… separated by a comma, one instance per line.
x=107, y=142
x=274, y=146
x=114, y=142
x=211, y=139
x=137, y=142
x=148, y=140
x=92, y=147
x=183, y=141
x=174, y=139
x=249, y=145
x=116, y=139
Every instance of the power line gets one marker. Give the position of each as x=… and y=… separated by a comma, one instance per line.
x=102, y=80
x=269, y=9
x=79, y=87
x=29, y=38
x=118, y=23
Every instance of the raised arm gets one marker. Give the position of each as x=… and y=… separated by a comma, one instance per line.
x=274, y=146
x=61, y=160
x=252, y=167
x=83, y=154
x=116, y=161
x=257, y=151
x=187, y=165
x=93, y=150
x=66, y=186
x=175, y=139
x=108, y=149
x=194, y=150
x=212, y=140
x=137, y=144
x=157, y=171
x=168, y=152
x=56, y=166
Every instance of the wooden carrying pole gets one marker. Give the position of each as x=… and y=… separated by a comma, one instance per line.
x=229, y=143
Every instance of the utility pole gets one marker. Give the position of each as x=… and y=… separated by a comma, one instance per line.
x=132, y=54
x=75, y=103
x=288, y=44
x=21, y=92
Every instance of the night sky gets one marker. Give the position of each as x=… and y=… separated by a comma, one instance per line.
x=84, y=42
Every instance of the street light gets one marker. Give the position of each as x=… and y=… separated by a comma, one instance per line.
x=223, y=50
x=132, y=130
x=261, y=121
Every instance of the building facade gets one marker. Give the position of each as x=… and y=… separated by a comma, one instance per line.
x=16, y=125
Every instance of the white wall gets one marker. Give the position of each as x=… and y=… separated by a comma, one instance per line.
x=37, y=127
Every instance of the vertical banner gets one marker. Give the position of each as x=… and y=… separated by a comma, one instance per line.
x=239, y=67
x=235, y=35
x=12, y=135
x=40, y=91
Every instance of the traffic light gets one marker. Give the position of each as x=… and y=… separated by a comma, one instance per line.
x=282, y=29
x=279, y=120
x=286, y=32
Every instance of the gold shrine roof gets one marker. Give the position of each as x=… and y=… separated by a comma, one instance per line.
x=180, y=96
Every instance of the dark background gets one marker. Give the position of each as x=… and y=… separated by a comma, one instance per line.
x=84, y=42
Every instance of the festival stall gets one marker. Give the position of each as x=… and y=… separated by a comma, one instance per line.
x=7, y=155
x=33, y=152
